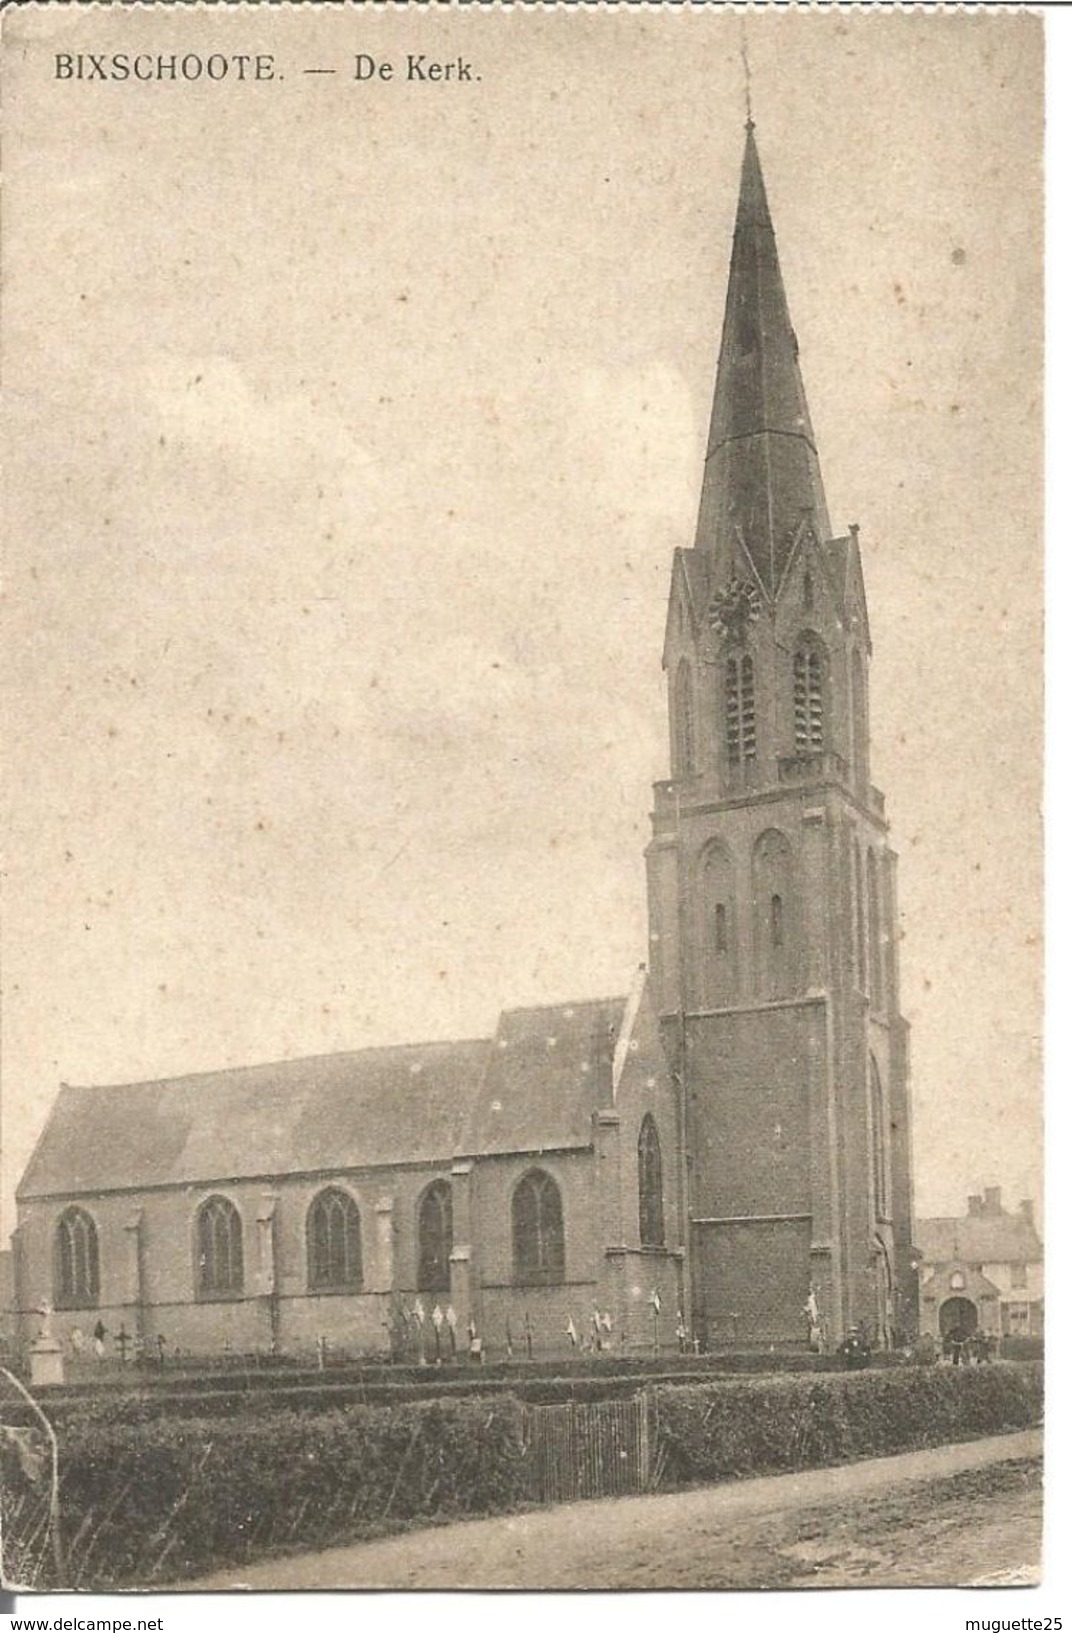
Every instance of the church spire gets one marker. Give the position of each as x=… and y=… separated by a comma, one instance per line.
x=761, y=476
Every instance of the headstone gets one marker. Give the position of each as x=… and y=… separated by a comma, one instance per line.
x=46, y=1361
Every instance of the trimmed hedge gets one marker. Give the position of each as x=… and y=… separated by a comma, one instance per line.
x=273, y=1374
x=155, y=1502
x=734, y=1429
x=1028, y=1347
x=107, y=1407
x=538, y=1383
x=159, y=1500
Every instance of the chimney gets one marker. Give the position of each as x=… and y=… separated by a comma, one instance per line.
x=1027, y=1211
x=992, y=1200
x=975, y=1205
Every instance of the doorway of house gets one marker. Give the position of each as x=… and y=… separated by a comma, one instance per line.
x=959, y=1316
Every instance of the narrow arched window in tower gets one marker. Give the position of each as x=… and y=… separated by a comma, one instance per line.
x=435, y=1232
x=809, y=593
x=76, y=1274
x=874, y=930
x=879, y=1160
x=333, y=1241
x=715, y=971
x=740, y=709
x=776, y=934
x=808, y=699
x=539, y=1236
x=219, y=1249
x=650, y=1171
x=684, y=723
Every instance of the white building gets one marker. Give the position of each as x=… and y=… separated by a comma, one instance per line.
x=982, y=1271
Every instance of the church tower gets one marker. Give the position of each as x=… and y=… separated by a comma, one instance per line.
x=772, y=885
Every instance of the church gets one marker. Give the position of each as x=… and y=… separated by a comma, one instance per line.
x=720, y=1157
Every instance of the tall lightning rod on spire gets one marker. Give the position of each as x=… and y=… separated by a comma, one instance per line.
x=749, y=123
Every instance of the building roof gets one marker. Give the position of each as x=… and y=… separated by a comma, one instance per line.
x=761, y=475
x=369, y=1109
x=534, y=1087
x=1003, y=1238
x=549, y=1071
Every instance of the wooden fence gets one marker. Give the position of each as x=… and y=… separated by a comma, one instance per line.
x=590, y=1449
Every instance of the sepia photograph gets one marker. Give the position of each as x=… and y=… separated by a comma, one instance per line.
x=522, y=692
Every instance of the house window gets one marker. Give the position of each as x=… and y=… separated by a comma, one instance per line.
x=1017, y=1318
x=539, y=1237
x=219, y=1249
x=808, y=700
x=333, y=1241
x=740, y=710
x=77, y=1262
x=650, y=1164
x=1018, y=1275
x=435, y=1232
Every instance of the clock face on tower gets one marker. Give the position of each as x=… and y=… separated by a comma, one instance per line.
x=734, y=608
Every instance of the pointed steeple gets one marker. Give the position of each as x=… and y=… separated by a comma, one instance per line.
x=761, y=476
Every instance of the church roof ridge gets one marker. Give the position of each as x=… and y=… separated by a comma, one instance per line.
x=562, y=1005
x=214, y=1073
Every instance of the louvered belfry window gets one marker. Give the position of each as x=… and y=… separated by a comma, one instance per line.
x=808, y=700
x=740, y=709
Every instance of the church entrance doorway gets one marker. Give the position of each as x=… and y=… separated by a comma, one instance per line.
x=958, y=1316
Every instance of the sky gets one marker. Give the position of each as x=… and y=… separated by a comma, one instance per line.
x=350, y=429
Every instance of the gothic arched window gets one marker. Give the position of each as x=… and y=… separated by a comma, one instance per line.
x=76, y=1278
x=435, y=1238
x=650, y=1169
x=539, y=1237
x=740, y=709
x=878, y=1143
x=808, y=697
x=219, y=1249
x=684, y=723
x=333, y=1242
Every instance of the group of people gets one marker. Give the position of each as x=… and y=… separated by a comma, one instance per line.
x=967, y=1348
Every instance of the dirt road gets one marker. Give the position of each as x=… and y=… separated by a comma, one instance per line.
x=960, y=1514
